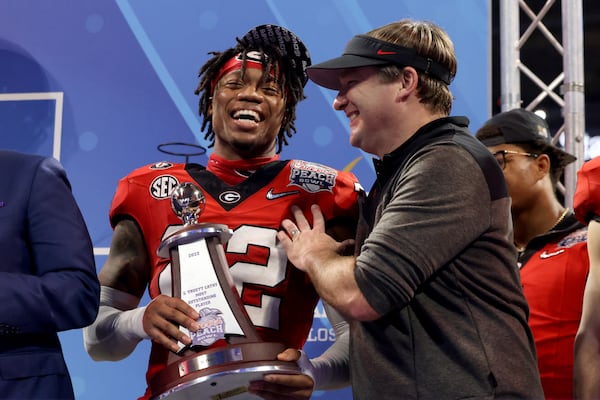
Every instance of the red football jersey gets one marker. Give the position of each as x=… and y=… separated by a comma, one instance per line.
x=553, y=280
x=586, y=200
x=279, y=299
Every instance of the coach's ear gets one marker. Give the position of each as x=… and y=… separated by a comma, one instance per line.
x=408, y=82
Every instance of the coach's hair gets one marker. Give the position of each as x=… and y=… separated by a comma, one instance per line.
x=429, y=41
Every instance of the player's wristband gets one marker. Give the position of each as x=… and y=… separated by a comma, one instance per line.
x=118, y=327
x=306, y=366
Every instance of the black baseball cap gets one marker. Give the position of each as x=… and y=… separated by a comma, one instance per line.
x=364, y=51
x=522, y=126
x=292, y=49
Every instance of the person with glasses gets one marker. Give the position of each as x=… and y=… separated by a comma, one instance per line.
x=551, y=243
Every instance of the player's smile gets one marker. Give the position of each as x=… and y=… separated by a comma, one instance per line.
x=247, y=119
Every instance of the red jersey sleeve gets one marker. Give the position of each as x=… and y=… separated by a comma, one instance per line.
x=586, y=201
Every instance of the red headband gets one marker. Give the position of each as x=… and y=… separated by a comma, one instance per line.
x=253, y=60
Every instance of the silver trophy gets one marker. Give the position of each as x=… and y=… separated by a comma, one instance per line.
x=226, y=354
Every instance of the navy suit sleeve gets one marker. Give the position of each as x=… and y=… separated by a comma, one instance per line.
x=49, y=283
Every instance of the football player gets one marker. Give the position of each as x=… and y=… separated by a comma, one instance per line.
x=248, y=97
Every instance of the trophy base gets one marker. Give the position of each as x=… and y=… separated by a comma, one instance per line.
x=221, y=374
x=226, y=385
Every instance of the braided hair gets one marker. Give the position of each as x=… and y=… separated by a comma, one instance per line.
x=289, y=68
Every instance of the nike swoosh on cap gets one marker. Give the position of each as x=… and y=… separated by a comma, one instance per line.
x=384, y=53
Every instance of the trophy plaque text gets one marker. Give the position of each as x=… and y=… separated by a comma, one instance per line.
x=226, y=353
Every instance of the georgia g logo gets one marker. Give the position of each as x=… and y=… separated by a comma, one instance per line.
x=230, y=197
x=162, y=186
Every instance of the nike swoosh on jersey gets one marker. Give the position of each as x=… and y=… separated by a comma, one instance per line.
x=274, y=196
x=545, y=254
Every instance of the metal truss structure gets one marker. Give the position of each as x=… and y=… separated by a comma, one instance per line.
x=566, y=89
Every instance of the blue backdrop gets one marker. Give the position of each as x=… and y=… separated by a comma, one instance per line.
x=99, y=84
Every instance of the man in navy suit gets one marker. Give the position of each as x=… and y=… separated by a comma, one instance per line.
x=48, y=280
